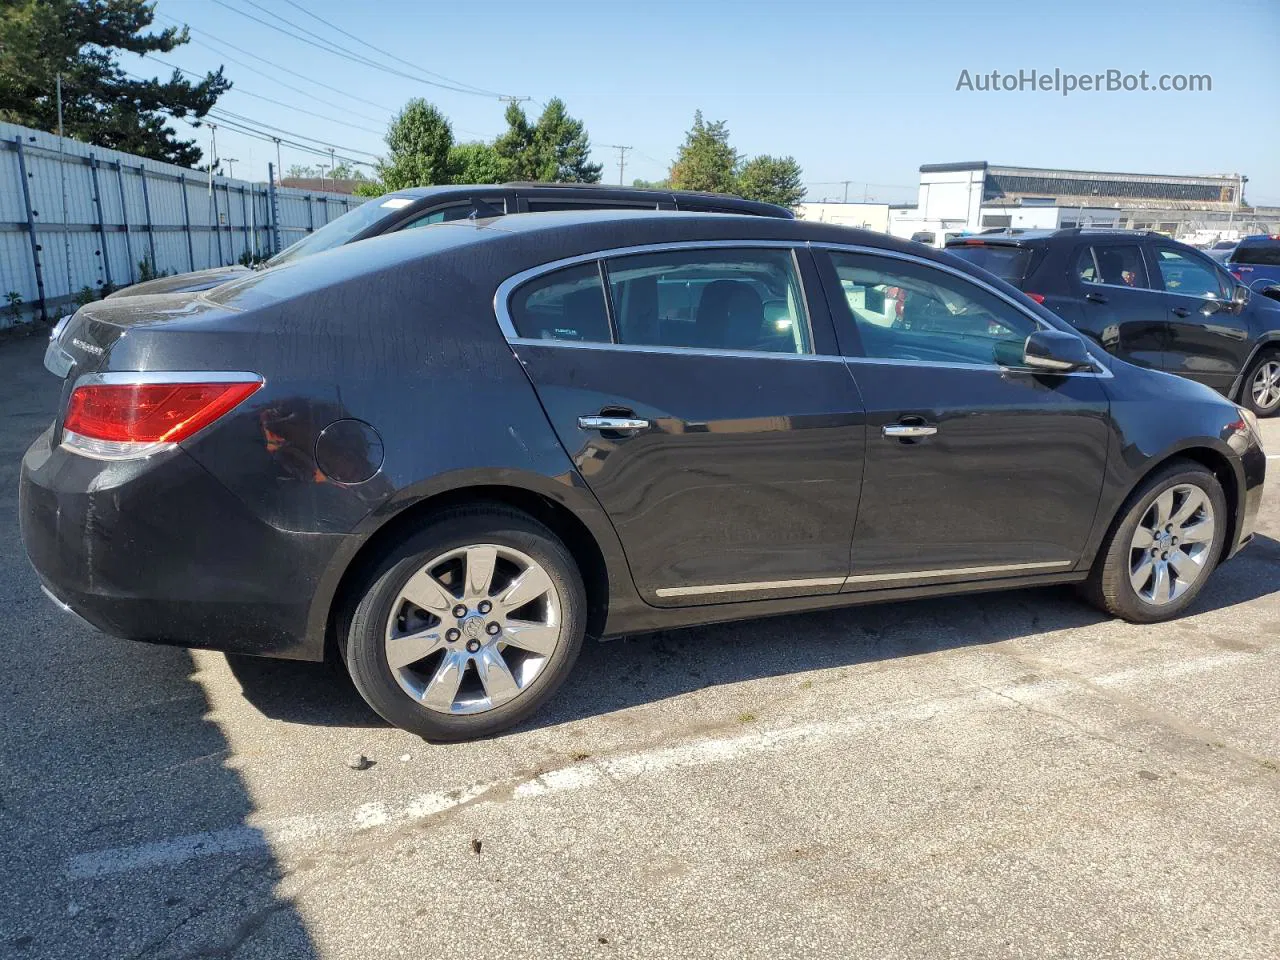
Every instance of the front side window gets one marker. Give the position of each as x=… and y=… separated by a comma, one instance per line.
x=908, y=311
x=1114, y=264
x=711, y=299
x=1186, y=275
x=457, y=211
x=565, y=304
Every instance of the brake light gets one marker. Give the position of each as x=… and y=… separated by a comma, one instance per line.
x=1037, y=297
x=124, y=420
x=1236, y=274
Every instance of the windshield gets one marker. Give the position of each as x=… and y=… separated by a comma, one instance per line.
x=337, y=232
x=1007, y=263
x=1258, y=254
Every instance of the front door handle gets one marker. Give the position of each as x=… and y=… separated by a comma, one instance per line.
x=1181, y=312
x=1095, y=298
x=619, y=424
x=909, y=430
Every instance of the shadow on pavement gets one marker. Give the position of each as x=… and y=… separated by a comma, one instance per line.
x=106, y=752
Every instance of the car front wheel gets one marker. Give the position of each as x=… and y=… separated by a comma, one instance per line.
x=1160, y=552
x=469, y=626
x=1261, y=392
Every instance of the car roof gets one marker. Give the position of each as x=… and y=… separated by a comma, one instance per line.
x=598, y=192
x=1259, y=240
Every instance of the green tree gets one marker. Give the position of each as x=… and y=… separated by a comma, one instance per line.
x=419, y=140
x=771, y=180
x=555, y=149
x=477, y=163
x=298, y=172
x=347, y=171
x=706, y=161
x=102, y=105
x=651, y=184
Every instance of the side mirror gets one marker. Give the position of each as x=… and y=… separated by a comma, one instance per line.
x=1054, y=351
x=1239, y=297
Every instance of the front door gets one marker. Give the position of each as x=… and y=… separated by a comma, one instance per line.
x=975, y=468
x=690, y=389
x=1120, y=307
x=1208, y=340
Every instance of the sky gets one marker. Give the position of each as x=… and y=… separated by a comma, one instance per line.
x=864, y=92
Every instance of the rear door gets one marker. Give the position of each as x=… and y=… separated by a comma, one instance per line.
x=705, y=405
x=976, y=468
x=1120, y=307
x=1208, y=340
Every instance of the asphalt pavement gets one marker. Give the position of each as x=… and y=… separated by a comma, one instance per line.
x=1004, y=775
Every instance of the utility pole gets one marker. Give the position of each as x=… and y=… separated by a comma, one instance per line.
x=279, y=169
x=846, y=189
x=510, y=99
x=622, y=158
x=231, y=169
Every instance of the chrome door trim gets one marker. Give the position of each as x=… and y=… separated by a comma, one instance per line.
x=956, y=571
x=703, y=589
x=503, y=294
x=692, y=351
x=140, y=377
x=710, y=588
x=613, y=423
x=1100, y=369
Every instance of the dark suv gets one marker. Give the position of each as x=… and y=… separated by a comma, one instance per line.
x=1148, y=300
x=421, y=206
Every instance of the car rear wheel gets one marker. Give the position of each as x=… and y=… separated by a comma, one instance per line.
x=1165, y=544
x=469, y=626
x=1261, y=391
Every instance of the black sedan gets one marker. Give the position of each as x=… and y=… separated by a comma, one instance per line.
x=446, y=456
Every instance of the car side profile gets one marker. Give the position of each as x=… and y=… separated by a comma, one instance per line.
x=1255, y=262
x=1150, y=301
x=445, y=457
x=416, y=207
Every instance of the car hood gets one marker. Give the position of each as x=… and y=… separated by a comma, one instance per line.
x=183, y=282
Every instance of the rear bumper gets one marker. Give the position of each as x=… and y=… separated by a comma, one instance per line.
x=158, y=550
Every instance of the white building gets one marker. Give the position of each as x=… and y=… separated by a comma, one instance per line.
x=868, y=216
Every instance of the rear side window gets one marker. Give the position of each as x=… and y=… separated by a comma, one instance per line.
x=1114, y=264
x=1008, y=263
x=1257, y=254
x=711, y=299
x=1185, y=274
x=566, y=304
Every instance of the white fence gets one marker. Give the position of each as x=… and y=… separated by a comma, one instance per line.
x=74, y=216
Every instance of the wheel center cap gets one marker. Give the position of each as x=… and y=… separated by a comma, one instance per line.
x=473, y=628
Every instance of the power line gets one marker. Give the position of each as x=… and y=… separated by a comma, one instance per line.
x=622, y=158
x=222, y=112
x=268, y=138
x=328, y=48
x=280, y=103
x=385, y=53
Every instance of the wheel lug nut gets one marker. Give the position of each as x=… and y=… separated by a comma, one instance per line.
x=484, y=607
x=473, y=646
x=460, y=611
x=493, y=629
x=452, y=634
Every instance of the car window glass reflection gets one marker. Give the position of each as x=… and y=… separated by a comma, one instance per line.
x=565, y=304
x=906, y=311
x=1189, y=277
x=712, y=299
x=1118, y=265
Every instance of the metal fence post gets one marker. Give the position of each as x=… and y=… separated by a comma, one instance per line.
x=31, y=230
x=311, y=214
x=217, y=230
x=273, y=209
x=244, y=222
x=146, y=203
x=102, y=226
x=124, y=216
x=186, y=219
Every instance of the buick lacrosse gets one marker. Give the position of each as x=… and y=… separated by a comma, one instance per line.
x=446, y=456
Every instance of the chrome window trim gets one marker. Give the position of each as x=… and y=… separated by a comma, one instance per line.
x=1100, y=370
x=859, y=578
x=502, y=297
x=141, y=377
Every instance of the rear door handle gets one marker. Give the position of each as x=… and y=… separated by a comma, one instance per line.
x=1181, y=312
x=1095, y=298
x=621, y=424
x=909, y=430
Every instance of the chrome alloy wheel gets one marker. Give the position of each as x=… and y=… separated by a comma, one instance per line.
x=1170, y=547
x=1266, y=385
x=473, y=628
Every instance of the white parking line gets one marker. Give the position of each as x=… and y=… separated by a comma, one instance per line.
x=300, y=831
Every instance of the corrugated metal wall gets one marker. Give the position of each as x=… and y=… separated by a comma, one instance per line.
x=120, y=209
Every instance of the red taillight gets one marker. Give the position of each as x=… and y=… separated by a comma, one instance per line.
x=1236, y=274
x=150, y=413
x=1037, y=297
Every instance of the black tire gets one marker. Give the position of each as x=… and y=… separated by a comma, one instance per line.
x=1246, y=385
x=1109, y=586
x=365, y=648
